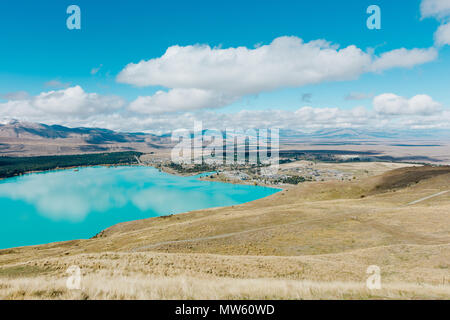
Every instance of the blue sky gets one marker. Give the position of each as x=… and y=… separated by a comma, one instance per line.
x=36, y=47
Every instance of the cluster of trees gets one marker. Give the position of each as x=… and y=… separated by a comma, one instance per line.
x=191, y=168
x=13, y=166
x=293, y=180
x=290, y=157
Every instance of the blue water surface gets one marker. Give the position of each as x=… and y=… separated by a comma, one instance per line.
x=78, y=203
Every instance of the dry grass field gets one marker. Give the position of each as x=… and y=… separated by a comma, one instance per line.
x=311, y=241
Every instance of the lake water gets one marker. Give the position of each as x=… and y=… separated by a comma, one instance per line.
x=69, y=204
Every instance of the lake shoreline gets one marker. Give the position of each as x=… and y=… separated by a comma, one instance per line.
x=172, y=172
x=16, y=166
x=71, y=205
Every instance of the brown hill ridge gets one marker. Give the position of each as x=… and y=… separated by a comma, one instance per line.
x=26, y=138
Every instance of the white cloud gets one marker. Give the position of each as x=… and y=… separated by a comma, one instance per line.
x=57, y=84
x=287, y=61
x=404, y=58
x=304, y=118
x=74, y=107
x=392, y=104
x=178, y=100
x=72, y=102
x=442, y=35
x=435, y=8
x=231, y=73
x=439, y=9
x=94, y=71
x=18, y=95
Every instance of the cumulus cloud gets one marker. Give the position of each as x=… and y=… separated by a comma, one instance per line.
x=72, y=102
x=57, y=84
x=231, y=73
x=18, y=95
x=435, y=8
x=442, y=35
x=403, y=58
x=392, y=104
x=303, y=118
x=312, y=118
x=94, y=71
x=287, y=61
x=179, y=100
x=439, y=9
x=74, y=107
x=306, y=117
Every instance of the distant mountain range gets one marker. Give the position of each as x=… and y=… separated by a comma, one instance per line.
x=350, y=134
x=29, y=130
x=27, y=138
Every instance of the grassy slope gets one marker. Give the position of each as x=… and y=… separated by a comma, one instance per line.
x=312, y=241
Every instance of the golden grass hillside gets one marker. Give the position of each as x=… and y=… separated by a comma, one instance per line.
x=310, y=241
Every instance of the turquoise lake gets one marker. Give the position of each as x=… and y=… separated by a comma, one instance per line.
x=63, y=205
